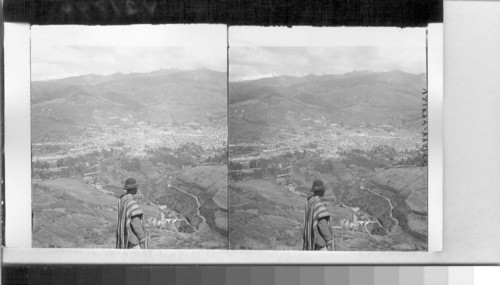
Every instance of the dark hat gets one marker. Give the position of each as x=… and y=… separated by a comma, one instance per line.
x=318, y=185
x=130, y=183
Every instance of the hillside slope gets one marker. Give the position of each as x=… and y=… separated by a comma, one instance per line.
x=164, y=96
x=258, y=107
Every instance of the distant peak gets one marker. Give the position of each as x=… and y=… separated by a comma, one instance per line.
x=175, y=69
x=360, y=72
x=203, y=69
x=310, y=75
x=118, y=74
x=165, y=70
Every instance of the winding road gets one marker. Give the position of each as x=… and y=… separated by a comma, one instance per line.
x=203, y=225
x=396, y=222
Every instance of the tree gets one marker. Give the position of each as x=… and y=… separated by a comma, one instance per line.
x=253, y=163
x=235, y=165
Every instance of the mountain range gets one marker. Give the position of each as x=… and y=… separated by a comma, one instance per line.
x=360, y=98
x=165, y=96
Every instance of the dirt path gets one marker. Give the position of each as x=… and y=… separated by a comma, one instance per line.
x=396, y=222
x=203, y=225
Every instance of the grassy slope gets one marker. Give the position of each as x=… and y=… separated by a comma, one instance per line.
x=69, y=213
x=264, y=215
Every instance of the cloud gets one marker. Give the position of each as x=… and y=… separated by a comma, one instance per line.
x=57, y=62
x=255, y=62
x=77, y=56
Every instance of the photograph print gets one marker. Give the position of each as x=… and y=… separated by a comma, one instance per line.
x=327, y=139
x=129, y=136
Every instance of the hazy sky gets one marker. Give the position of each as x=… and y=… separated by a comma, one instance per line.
x=247, y=63
x=266, y=51
x=63, y=51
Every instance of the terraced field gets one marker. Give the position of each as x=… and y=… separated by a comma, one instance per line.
x=71, y=213
x=384, y=211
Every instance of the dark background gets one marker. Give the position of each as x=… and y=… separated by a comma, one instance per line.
x=401, y=13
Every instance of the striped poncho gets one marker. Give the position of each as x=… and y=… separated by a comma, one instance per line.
x=127, y=208
x=315, y=210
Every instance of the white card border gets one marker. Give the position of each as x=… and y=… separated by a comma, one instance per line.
x=18, y=192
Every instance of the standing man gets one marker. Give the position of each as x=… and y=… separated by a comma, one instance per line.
x=318, y=233
x=130, y=230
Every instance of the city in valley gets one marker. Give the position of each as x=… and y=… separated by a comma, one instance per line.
x=167, y=129
x=330, y=140
x=137, y=138
x=362, y=133
x=376, y=187
x=182, y=173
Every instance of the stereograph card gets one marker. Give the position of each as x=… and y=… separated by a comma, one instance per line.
x=205, y=143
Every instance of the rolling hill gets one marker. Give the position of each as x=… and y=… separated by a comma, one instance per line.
x=358, y=98
x=70, y=213
x=163, y=96
x=387, y=211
